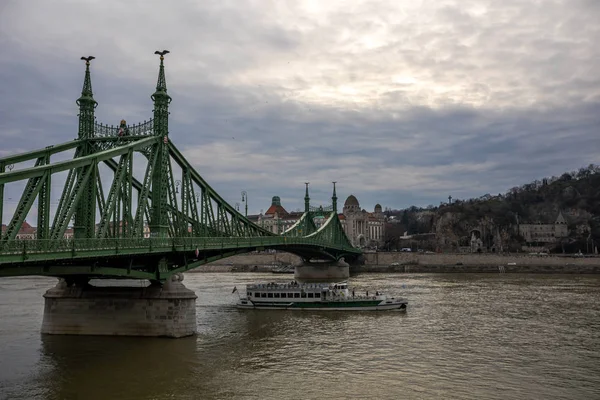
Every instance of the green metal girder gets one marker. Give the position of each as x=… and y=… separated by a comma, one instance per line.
x=218, y=230
x=2, y=167
x=32, y=155
x=118, y=140
x=143, y=196
x=111, y=202
x=183, y=163
x=67, y=165
x=43, y=221
x=128, y=197
x=332, y=232
x=81, y=270
x=100, y=194
x=61, y=223
x=303, y=227
x=33, y=187
x=60, y=250
x=68, y=187
x=85, y=210
x=174, y=222
x=159, y=222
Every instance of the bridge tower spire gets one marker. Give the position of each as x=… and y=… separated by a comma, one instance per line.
x=306, y=199
x=159, y=223
x=334, y=199
x=85, y=212
x=86, y=104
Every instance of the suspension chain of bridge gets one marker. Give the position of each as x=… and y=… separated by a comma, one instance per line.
x=110, y=210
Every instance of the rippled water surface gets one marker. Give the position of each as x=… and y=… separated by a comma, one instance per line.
x=475, y=336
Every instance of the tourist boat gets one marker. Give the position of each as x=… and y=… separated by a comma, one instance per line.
x=315, y=296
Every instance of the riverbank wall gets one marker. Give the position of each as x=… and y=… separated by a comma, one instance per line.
x=468, y=262
x=421, y=262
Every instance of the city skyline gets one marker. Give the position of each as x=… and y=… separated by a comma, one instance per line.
x=401, y=104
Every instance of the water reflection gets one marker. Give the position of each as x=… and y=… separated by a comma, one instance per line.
x=493, y=336
x=115, y=367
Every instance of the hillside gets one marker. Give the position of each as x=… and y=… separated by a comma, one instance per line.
x=574, y=194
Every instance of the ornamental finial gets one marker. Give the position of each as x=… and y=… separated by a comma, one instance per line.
x=161, y=84
x=87, y=97
x=306, y=199
x=87, y=60
x=334, y=198
x=162, y=54
x=86, y=103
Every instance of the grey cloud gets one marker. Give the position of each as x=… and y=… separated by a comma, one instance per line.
x=400, y=103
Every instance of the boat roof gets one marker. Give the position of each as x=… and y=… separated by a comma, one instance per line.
x=295, y=284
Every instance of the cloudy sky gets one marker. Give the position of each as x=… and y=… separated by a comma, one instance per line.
x=401, y=102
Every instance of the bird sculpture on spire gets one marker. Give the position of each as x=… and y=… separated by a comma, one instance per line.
x=162, y=53
x=88, y=59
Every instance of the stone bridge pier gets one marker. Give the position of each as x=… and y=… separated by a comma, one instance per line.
x=322, y=271
x=167, y=310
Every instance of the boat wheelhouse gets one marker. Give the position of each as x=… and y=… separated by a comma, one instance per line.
x=315, y=296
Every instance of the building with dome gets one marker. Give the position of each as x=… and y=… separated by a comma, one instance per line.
x=363, y=228
x=276, y=219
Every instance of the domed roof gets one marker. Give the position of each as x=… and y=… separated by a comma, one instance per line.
x=378, y=208
x=351, y=201
x=276, y=207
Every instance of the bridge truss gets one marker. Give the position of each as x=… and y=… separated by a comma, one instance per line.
x=167, y=221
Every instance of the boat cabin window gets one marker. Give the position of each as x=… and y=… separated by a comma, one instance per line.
x=249, y=294
x=303, y=295
x=290, y=295
x=270, y=295
x=263, y=295
x=317, y=294
x=296, y=295
x=277, y=295
x=311, y=295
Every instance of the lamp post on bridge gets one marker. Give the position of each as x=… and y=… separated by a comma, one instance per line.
x=245, y=200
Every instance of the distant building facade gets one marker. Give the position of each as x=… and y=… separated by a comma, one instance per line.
x=26, y=231
x=545, y=233
x=276, y=219
x=364, y=229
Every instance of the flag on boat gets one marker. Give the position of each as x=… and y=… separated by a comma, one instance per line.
x=234, y=289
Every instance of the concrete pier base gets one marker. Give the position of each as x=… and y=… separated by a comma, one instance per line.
x=168, y=310
x=322, y=272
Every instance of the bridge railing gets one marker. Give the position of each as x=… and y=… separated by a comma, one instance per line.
x=152, y=245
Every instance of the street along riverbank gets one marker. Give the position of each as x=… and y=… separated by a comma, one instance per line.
x=420, y=262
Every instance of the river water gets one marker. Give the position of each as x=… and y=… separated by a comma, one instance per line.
x=464, y=336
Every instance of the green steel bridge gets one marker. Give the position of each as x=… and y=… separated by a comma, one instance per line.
x=168, y=222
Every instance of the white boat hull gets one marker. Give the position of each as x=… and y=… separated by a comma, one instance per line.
x=383, y=306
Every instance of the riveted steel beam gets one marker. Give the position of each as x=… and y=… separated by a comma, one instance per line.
x=78, y=162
